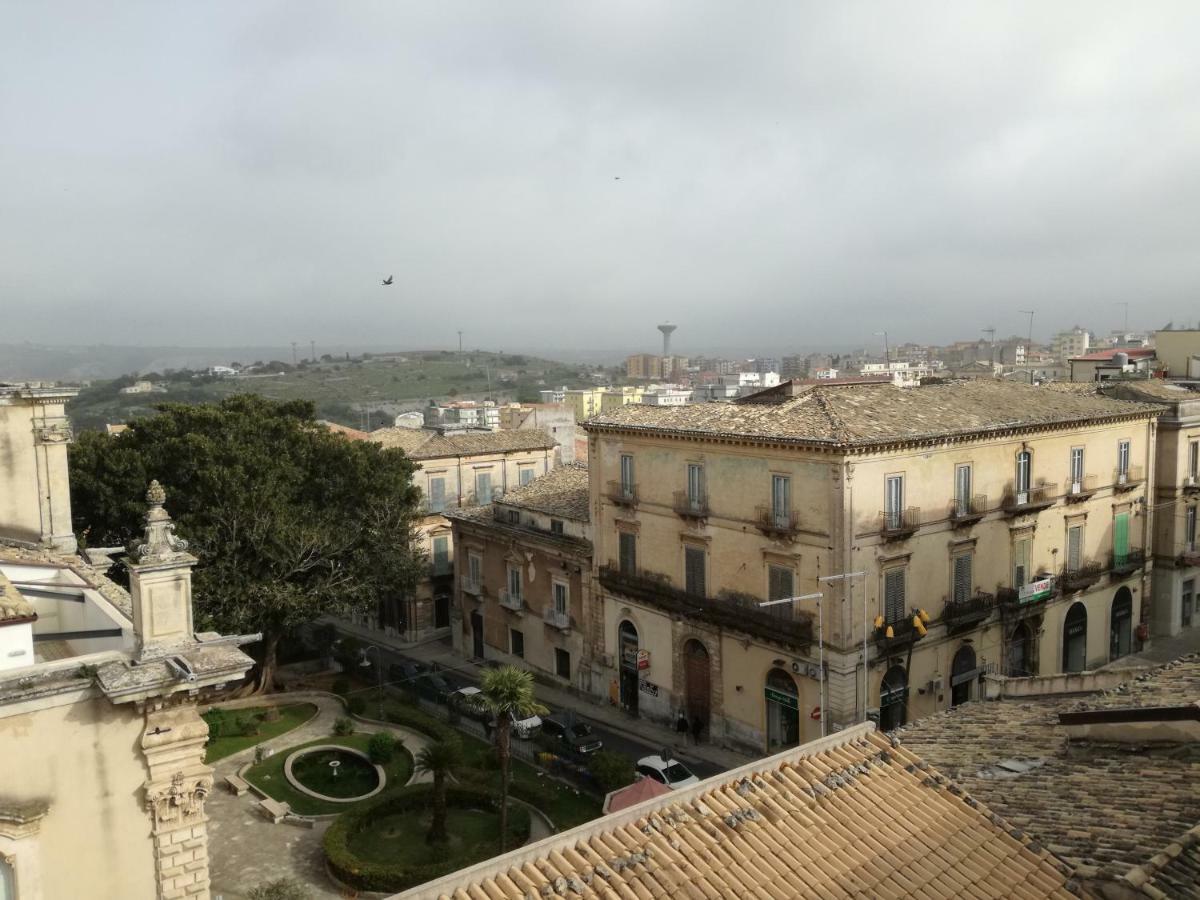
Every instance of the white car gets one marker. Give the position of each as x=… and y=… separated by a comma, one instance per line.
x=469, y=701
x=670, y=772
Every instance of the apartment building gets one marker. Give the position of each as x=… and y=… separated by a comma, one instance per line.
x=456, y=470
x=1075, y=342
x=979, y=526
x=555, y=419
x=644, y=365
x=524, y=568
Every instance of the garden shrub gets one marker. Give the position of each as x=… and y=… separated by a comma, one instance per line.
x=382, y=747
x=611, y=770
x=247, y=726
x=371, y=875
x=357, y=706
x=417, y=720
x=343, y=726
x=280, y=889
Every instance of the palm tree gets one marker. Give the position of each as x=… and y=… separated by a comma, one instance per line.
x=439, y=760
x=508, y=692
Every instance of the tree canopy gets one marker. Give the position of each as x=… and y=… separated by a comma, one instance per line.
x=289, y=521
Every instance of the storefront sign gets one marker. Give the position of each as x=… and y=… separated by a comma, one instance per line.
x=643, y=659
x=791, y=701
x=647, y=688
x=1037, y=590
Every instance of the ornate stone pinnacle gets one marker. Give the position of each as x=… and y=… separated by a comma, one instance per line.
x=160, y=543
x=155, y=495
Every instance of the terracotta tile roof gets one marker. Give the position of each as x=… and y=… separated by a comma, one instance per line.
x=867, y=414
x=1153, y=389
x=631, y=795
x=1104, y=808
x=352, y=433
x=562, y=491
x=13, y=607
x=420, y=443
x=849, y=816
x=1174, y=873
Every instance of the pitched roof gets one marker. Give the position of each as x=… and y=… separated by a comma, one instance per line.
x=421, y=443
x=14, y=607
x=867, y=414
x=1106, y=807
x=563, y=491
x=632, y=794
x=353, y=434
x=849, y=815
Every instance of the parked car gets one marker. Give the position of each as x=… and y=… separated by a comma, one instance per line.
x=405, y=675
x=469, y=702
x=435, y=687
x=670, y=772
x=576, y=737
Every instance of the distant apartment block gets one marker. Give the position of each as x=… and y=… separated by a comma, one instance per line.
x=1068, y=344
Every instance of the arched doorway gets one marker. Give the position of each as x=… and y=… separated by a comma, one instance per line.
x=697, y=689
x=1120, y=629
x=477, y=633
x=1074, y=653
x=1019, y=661
x=627, y=643
x=783, y=711
x=893, y=692
x=962, y=675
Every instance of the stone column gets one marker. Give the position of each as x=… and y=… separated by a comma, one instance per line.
x=178, y=784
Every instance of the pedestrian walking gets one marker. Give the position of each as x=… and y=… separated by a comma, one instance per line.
x=697, y=729
x=681, y=727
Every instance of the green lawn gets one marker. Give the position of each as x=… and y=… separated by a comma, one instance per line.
x=399, y=839
x=268, y=776
x=225, y=724
x=352, y=777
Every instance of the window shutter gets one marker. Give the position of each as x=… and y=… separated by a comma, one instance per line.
x=437, y=494
x=1020, y=563
x=779, y=583
x=893, y=595
x=693, y=558
x=1074, y=548
x=1121, y=537
x=628, y=549
x=483, y=487
x=962, y=578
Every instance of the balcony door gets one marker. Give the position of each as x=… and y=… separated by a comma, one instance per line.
x=1075, y=639
x=1024, y=467
x=894, y=501
x=781, y=499
x=695, y=485
x=962, y=490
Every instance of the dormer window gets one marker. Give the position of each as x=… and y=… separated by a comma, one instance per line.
x=556, y=526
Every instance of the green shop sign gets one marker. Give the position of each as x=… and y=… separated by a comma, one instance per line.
x=791, y=701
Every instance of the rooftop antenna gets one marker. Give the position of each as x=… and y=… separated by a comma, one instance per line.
x=460, y=343
x=666, y=328
x=887, y=356
x=312, y=346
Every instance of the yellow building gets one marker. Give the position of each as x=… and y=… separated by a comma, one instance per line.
x=469, y=468
x=616, y=397
x=1012, y=515
x=1179, y=352
x=104, y=781
x=584, y=402
x=644, y=365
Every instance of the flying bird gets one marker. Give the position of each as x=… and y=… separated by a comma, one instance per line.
x=388, y=280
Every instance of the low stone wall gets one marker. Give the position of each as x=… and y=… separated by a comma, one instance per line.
x=998, y=687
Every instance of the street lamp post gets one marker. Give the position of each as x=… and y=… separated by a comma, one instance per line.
x=378, y=672
x=820, y=646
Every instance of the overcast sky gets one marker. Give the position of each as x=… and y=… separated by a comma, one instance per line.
x=565, y=175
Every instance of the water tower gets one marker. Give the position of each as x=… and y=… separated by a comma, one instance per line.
x=666, y=330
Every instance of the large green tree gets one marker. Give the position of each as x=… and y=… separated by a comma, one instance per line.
x=508, y=693
x=290, y=522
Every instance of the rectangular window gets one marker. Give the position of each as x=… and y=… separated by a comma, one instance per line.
x=781, y=499
x=562, y=663
x=1021, y=571
x=962, y=489
x=1074, y=548
x=525, y=474
x=562, y=603
x=1194, y=459
x=514, y=517
x=627, y=475
x=516, y=642
x=1120, y=538
x=695, y=475
x=627, y=544
x=474, y=570
x=894, y=501
x=780, y=585
x=893, y=595
x=1024, y=471
x=1122, y=461
x=694, y=559
x=437, y=494
x=556, y=526
x=962, y=577
x=1076, y=465
x=483, y=487
x=1189, y=527
x=441, y=555
x=514, y=583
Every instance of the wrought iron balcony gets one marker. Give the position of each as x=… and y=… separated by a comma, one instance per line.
x=557, y=619
x=471, y=587
x=903, y=633
x=622, y=494
x=1189, y=556
x=1122, y=564
x=897, y=524
x=511, y=601
x=1036, y=498
x=1132, y=477
x=1030, y=599
x=691, y=506
x=964, y=613
x=968, y=510
x=774, y=522
x=1191, y=484
x=1082, y=578
x=1075, y=491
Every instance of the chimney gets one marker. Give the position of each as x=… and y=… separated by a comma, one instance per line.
x=160, y=582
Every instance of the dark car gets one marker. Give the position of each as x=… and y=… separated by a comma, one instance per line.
x=575, y=736
x=434, y=687
x=406, y=675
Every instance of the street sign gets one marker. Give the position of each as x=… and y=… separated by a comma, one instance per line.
x=791, y=701
x=815, y=715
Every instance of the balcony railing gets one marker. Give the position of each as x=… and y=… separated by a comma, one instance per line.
x=1037, y=497
x=740, y=613
x=903, y=633
x=511, y=601
x=433, y=506
x=966, y=510
x=1028, y=599
x=1082, y=578
x=1129, y=479
x=778, y=522
x=557, y=618
x=963, y=613
x=1188, y=556
x=622, y=494
x=441, y=569
x=691, y=506
x=1122, y=564
x=1075, y=490
x=896, y=524
x=472, y=587
x=1191, y=484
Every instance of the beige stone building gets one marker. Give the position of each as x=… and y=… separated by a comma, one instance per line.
x=104, y=780
x=456, y=469
x=524, y=569
x=1009, y=518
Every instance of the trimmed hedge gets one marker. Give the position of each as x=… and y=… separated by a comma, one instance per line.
x=369, y=875
x=417, y=720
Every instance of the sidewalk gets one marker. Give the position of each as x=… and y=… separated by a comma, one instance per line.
x=1162, y=650
x=609, y=716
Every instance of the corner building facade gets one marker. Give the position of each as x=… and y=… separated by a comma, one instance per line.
x=980, y=527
